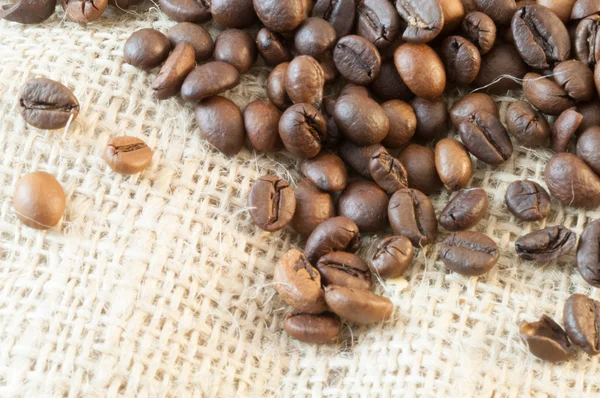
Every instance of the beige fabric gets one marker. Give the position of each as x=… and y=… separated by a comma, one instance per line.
x=158, y=285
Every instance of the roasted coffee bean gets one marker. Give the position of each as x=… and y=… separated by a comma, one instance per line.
x=545, y=244
x=588, y=148
x=302, y=129
x=314, y=37
x=597, y=76
x=480, y=29
x=276, y=86
x=237, y=48
x=387, y=171
x=304, y=81
x=454, y=13
x=412, y=215
x=313, y=328
x=547, y=340
x=333, y=133
x=327, y=171
x=196, y=11
x=389, y=85
x=588, y=254
x=461, y=59
x=499, y=67
x=330, y=72
x=485, y=137
x=403, y=123
x=377, y=22
x=84, y=11
x=421, y=69
x=582, y=322
x=392, y=256
x=28, y=12
x=501, y=11
x=340, y=13
x=47, y=104
x=313, y=206
x=360, y=119
x=562, y=8
x=469, y=253
x=127, y=155
x=464, y=210
x=572, y=182
x=169, y=80
x=591, y=115
x=432, y=118
x=366, y=204
x=146, y=49
x=527, y=201
x=564, y=128
x=233, y=13
x=584, y=8
x=526, y=124
x=344, y=269
x=332, y=235
x=281, y=16
x=419, y=163
x=261, y=120
x=39, y=200
x=357, y=59
x=453, y=164
x=358, y=306
x=358, y=157
x=351, y=89
x=271, y=47
x=587, y=40
x=576, y=79
x=195, y=35
x=221, y=123
x=299, y=283
x=424, y=19
x=464, y=107
x=272, y=203
x=209, y=80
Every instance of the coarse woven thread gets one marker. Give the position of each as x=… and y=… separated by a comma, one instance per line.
x=159, y=284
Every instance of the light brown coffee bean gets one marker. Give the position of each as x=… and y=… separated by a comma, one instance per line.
x=127, y=155
x=261, y=119
x=547, y=340
x=387, y=171
x=392, y=256
x=344, y=269
x=313, y=328
x=313, y=206
x=335, y=234
x=564, y=128
x=326, y=171
x=453, y=164
x=208, y=80
x=572, y=182
x=411, y=214
x=358, y=306
x=421, y=69
x=305, y=80
x=546, y=94
x=221, y=123
x=464, y=107
x=419, y=163
x=276, y=86
x=403, y=123
x=47, y=104
x=169, y=80
x=272, y=203
x=39, y=200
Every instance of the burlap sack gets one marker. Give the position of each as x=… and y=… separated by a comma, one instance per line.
x=159, y=285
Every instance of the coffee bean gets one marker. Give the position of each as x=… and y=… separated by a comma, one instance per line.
x=527, y=201
x=572, y=182
x=360, y=119
x=261, y=120
x=588, y=254
x=196, y=11
x=587, y=40
x=39, y=200
x=392, y=256
x=591, y=115
x=358, y=158
x=272, y=203
x=389, y=85
x=178, y=66
x=276, y=86
x=313, y=328
x=424, y=19
x=271, y=47
x=485, y=137
x=464, y=210
x=209, y=80
x=469, y=253
x=340, y=13
x=233, y=13
x=84, y=11
x=576, y=78
x=357, y=59
x=313, y=206
x=330, y=72
x=499, y=67
x=47, y=104
x=584, y=8
x=419, y=162
x=358, y=306
x=454, y=13
x=28, y=12
x=281, y=16
x=387, y=171
x=597, y=76
x=326, y=171
x=461, y=59
x=195, y=35
x=564, y=128
x=501, y=11
x=221, y=123
x=412, y=215
x=464, y=107
x=146, y=49
x=562, y=8
x=302, y=129
x=545, y=244
x=377, y=22
x=237, y=48
x=480, y=29
x=305, y=80
x=526, y=124
x=333, y=133
x=332, y=235
x=403, y=123
x=127, y=155
x=588, y=148
x=421, y=69
x=432, y=118
x=547, y=340
x=314, y=37
x=344, y=269
x=453, y=164
x=351, y=89
x=582, y=322
x=366, y=204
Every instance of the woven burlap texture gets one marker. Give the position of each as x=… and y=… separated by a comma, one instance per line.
x=159, y=284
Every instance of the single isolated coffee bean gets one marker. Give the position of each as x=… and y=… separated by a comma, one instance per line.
x=84, y=11
x=358, y=157
x=39, y=200
x=361, y=119
x=527, y=201
x=366, y=204
x=412, y=215
x=344, y=269
x=545, y=244
x=271, y=47
x=305, y=80
x=432, y=118
x=453, y=164
x=221, y=123
x=501, y=11
x=313, y=206
x=302, y=129
x=272, y=203
x=584, y=8
x=546, y=94
x=332, y=235
x=576, y=78
x=233, y=13
x=261, y=120
x=146, y=49
x=564, y=128
x=419, y=165
x=587, y=40
x=276, y=91
x=237, y=48
x=480, y=29
x=47, y=104
x=464, y=107
x=196, y=11
x=281, y=16
x=313, y=328
x=178, y=66
x=588, y=254
x=588, y=148
x=358, y=306
x=377, y=22
x=421, y=69
x=547, y=340
x=387, y=171
x=392, y=256
x=581, y=317
x=209, y=80
x=464, y=210
x=403, y=123
x=526, y=124
x=340, y=13
x=127, y=155
x=314, y=37
x=461, y=59
x=357, y=59
x=485, y=137
x=327, y=171
x=389, y=85
x=572, y=182
x=499, y=69
x=195, y=35
x=29, y=12
x=424, y=19
x=469, y=253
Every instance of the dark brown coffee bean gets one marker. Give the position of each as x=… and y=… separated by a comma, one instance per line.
x=581, y=317
x=332, y=235
x=527, y=201
x=526, y=124
x=366, y=204
x=499, y=67
x=469, y=253
x=314, y=37
x=127, y=155
x=47, y=104
x=326, y=171
x=357, y=59
x=453, y=164
x=572, y=182
x=432, y=118
x=333, y=133
x=195, y=35
x=454, y=13
x=340, y=13
x=464, y=210
x=358, y=306
x=276, y=86
x=272, y=203
x=547, y=340
x=313, y=328
x=209, y=80
x=412, y=215
x=419, y=163
x=313, y=206
x=233, y=13
x=39, y=200
x=28, y=12
x=237, y=48
x=485, y=137
x=358, y=157
x=501, y=11
x=564, y=128
x=584, y=8
x=261, y=120
x=461, y=59
x=196, y=11
x=576, y=78
x=591, y=115
x=392, y=256
x=421, y=70
x=403, y=123
x=360, y=119
x=464, y=107
x=545, y=244
x=305, y=80
x=84, y=11
x=178, y=66
x=221, y=123
x=344, y=269
x=281, y=16
x=587, y=40
x=588, y=148
x=377, y=22
x=271, y=47
x=389, y=85
x=480, y=29
x=588, y=254
x=146, y=49
x=424, y=19
x=387, y=171
x=302, y=129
